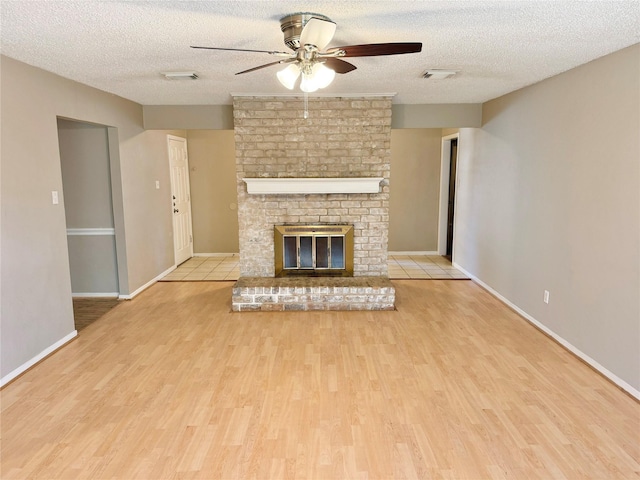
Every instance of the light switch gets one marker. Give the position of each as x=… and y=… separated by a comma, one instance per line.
x=157, y=184
x=54, y=197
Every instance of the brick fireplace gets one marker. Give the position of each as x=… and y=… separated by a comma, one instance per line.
x=342, y=138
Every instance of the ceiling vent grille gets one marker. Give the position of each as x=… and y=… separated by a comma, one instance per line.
x=435, y=74
x=181, y=75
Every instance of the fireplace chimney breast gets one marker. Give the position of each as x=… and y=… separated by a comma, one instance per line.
x=342, y=138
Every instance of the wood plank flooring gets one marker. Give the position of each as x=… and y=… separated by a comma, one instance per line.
x=452, y=385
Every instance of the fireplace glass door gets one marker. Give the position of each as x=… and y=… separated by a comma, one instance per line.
x=322, y=252
x=309, y=252
x=337, y=252
x=314, y=250
x=290, y=252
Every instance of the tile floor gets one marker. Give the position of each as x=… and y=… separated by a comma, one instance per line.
x=400, y=267
x=206, y=268
x=422, y=266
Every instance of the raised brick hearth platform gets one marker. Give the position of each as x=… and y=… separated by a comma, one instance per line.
x=313, y=293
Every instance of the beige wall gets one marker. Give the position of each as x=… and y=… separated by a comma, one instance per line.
x=212, y=164
x=194, y=117
x=549, y=199
x=414, y=198
x=413, y=219
x=437, y=115
x=84, y=157
x=36, y=310
x=220, y=117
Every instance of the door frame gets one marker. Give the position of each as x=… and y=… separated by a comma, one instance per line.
x=180, y=139
x=443, y=208
x=117, y=198
x=117, y=202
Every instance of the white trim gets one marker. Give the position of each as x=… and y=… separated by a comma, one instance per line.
x=172, y=190
x=443, y=206
x=216, y=254
x=91, y=231
x=306, y=185
x=320, y=95
x=94, y=294
x=413, y=253
x=147, y=285
x=577, y=352
x=47, y=351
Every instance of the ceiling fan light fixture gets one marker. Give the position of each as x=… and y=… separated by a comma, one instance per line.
x=307, y=84
x=288, y=76
x=308, y=35
x=316, y=77
x=323, y=75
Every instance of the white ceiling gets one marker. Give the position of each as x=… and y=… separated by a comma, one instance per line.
x=122, y=47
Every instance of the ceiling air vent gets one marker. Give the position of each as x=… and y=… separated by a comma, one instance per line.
x=436, y=74
x=181, y=75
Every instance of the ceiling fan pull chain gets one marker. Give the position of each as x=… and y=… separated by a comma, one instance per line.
x=306, y=106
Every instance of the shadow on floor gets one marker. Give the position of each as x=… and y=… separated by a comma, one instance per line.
x=88, y=310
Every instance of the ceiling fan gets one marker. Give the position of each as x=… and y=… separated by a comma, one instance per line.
x=308, y=35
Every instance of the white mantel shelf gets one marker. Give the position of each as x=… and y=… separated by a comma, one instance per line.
x=288, y=186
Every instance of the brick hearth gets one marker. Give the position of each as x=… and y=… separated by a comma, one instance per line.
x=313, y=293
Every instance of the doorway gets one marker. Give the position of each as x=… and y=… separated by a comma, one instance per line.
x=451, y=200
x=88, y=206
x=180, y=198
x=448, y=182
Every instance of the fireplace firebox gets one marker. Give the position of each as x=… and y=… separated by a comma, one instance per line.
x=313, y=250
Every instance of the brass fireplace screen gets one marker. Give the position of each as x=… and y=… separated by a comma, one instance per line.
x=313, y=250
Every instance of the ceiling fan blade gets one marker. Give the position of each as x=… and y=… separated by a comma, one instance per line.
x=317, y=32
x=375, y=49
x=339, y=66
x=270, y=52
x=288, y=60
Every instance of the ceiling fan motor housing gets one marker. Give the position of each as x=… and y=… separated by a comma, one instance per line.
x=292, y=26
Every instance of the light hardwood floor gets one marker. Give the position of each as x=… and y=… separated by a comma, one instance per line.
x=452, y=385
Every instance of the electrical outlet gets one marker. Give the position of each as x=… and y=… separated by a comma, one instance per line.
x=545, y=298
x=157, y=184
x=54, y=197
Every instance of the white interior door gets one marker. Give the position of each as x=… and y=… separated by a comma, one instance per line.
x=180, y=198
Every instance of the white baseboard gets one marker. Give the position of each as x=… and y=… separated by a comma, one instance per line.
x=94, y=295
x=414, y=253
x=91, y=231
x=147, y=285
x=577, y=352
x=47, y=351
x=216, y=254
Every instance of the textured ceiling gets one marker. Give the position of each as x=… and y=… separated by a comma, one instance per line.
x=497, y=46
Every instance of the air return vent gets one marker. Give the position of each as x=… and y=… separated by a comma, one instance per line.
x=435, y=74
x=181, y=75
